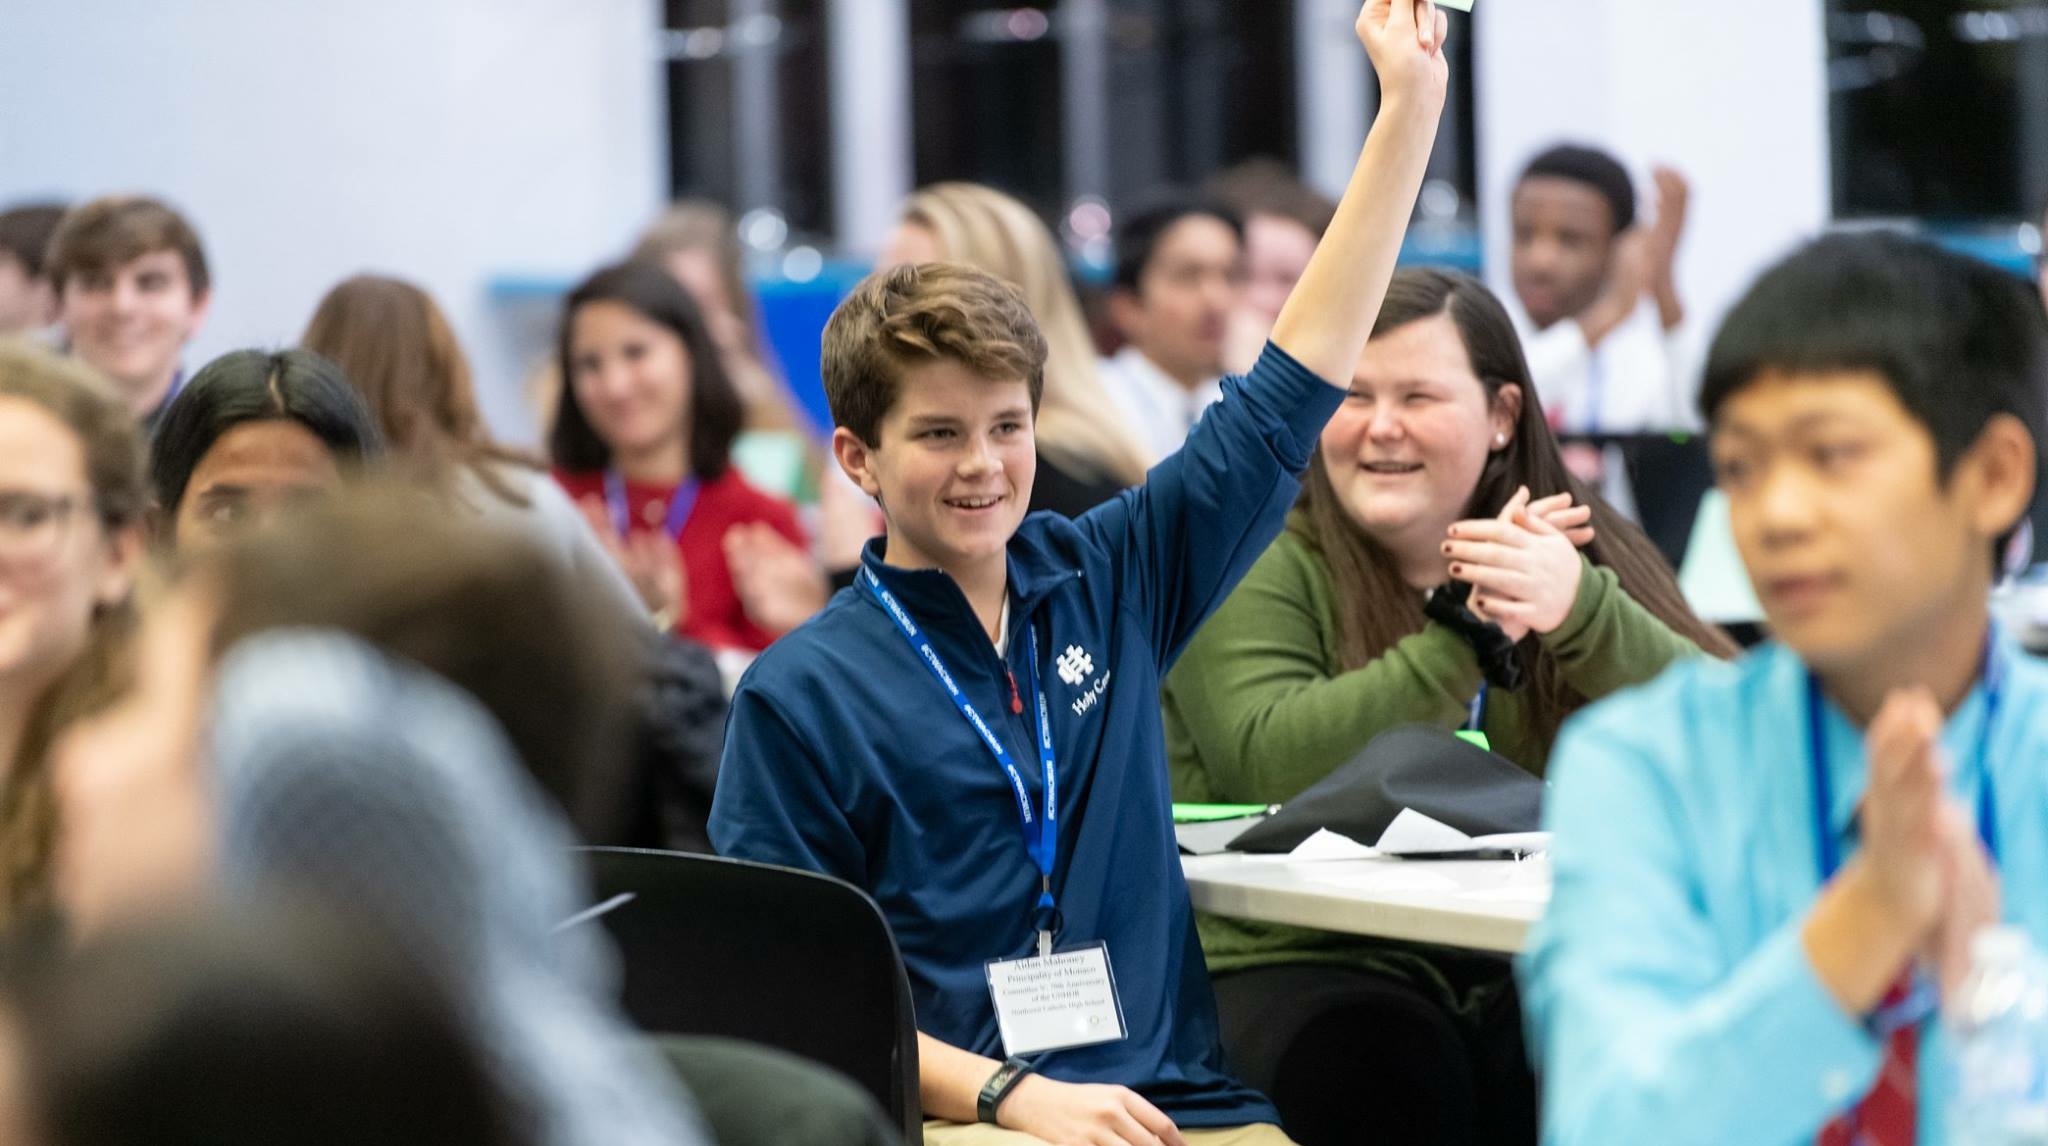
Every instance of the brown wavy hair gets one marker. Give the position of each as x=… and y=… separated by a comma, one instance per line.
x=1376, y=608
x=403, y=360
x=925, y=312
x=75, y=396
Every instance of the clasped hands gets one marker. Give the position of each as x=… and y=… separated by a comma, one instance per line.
x=1523, y=564
x=1920, y=862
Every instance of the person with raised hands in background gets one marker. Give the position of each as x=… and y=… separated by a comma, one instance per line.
x=1768, y=872
x=1026, y=832
x=1596, y=295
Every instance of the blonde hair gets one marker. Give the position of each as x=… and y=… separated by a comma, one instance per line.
x=703, y=226
x=984, y=228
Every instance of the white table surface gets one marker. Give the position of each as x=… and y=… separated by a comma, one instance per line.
x=1486, y=905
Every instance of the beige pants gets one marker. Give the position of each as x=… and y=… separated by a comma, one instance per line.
x=938, y=1132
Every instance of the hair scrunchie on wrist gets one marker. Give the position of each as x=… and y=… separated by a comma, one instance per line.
x=1496, y=652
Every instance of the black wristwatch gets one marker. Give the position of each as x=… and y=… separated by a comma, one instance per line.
x=1496, y=652
x=999, y=1086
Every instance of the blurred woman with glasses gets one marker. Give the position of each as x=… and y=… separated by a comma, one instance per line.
x=72, y=499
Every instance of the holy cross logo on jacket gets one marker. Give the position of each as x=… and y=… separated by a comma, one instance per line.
x=1075, y=665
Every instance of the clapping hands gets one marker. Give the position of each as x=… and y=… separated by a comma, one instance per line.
x=1523, y=565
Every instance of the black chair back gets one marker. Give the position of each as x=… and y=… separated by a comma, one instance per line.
x=786, y=958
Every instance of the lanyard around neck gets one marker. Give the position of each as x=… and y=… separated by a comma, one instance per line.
x=680, y=504
x=1043, y=845
x=1829, y=848
x=1475, y=712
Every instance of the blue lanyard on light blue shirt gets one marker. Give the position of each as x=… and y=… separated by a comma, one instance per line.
x=1830, y=851
x=680, y=504
x=1044, y=848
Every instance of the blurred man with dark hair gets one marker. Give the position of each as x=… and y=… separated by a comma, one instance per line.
x=1179, y=276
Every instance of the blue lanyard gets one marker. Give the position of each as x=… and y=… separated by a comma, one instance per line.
x=1475, y=712
x=680, y=504
x=1830, y=851
x=1044, y=848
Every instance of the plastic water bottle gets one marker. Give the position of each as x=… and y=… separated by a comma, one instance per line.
x=1999, y=1028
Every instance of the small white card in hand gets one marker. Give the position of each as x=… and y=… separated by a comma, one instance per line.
x=1066, y=999
x=1460, y=5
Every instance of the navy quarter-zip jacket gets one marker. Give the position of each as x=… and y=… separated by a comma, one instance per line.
x=844, y=755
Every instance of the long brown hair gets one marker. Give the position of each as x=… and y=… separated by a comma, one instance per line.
x=402, y=358
x=106, y=433
x=1376, y=608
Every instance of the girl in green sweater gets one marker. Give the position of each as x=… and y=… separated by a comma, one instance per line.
x=1425, y=476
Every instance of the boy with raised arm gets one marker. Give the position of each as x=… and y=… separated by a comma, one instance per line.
x=971, y=732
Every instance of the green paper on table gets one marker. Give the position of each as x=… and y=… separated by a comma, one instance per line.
x=1209, y=813
x=1460, y=5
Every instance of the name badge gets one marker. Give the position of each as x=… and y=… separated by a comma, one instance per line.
x=1052, y=1002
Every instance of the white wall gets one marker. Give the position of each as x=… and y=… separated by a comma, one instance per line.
x=1732, y=92
x=440, y=140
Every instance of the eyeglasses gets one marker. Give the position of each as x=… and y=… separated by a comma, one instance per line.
x=32, y=525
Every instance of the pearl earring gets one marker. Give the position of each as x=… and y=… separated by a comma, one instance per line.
x=1500, y=439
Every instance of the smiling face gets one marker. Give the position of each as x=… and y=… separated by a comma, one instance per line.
x=58, y=564
x=1855, y=548
x=132, y=322
x=250, y=475
x=1406, y=449
x=952, y=467
x=630, y=375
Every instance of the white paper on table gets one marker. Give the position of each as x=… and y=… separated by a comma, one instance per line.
x=1328, y=845
x=1383, y=877
x=1537, y=893
x=1413, y=832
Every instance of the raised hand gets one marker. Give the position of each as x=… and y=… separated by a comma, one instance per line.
x=1674, y=197
x=1629, y=274
x=1071, y=1114
x=1405, y=41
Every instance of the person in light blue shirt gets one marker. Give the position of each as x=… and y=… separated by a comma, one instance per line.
x=1767, y=872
